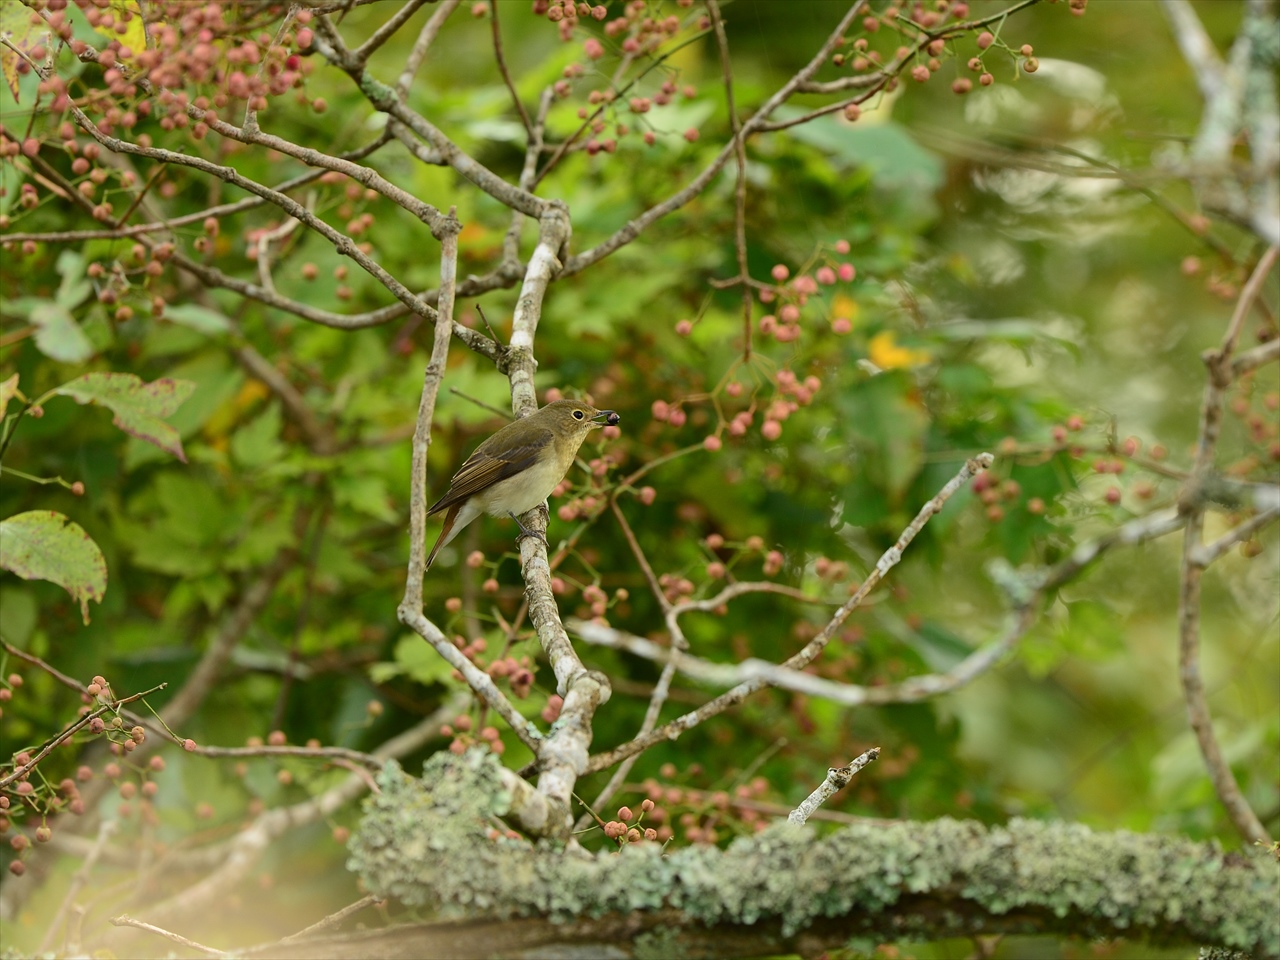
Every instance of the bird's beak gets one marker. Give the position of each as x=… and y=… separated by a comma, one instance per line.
x=609, y=417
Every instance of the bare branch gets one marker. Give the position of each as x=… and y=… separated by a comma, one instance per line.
x=740, y=183
x=333, y=919
x=1252, y=359
x=811, y=650
x=837, y=779
x=426, y=37
x=124, y=920
x=78, y=882
x=506, y=75
x=1218, y=366
x=385, y=32
x=1210, y=552
x=386, y=100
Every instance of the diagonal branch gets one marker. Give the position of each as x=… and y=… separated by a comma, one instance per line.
x=814, y=647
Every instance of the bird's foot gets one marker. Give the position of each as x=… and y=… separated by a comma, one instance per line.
x=526, y=532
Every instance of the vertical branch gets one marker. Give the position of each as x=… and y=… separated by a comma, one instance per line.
x=740, y=188
x=1219, y=377
x=562, y=757
x=410, y=609
x=544, y=264
x=426, y=413
x=506, y=74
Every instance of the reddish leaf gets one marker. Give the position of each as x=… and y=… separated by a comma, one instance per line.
x=139, y=408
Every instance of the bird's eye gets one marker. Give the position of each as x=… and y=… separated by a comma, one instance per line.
x=577, y=414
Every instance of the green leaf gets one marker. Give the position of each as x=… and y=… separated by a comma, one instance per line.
x=198, y=318
x=140, y=408
x=75, y=286
x=414, y=658
x=46, y=545
x=258, y=443
x=262, y=539
x=885, y=416
x=18, y=615
x=367, y=494
x=58, y=336
x=887, y=149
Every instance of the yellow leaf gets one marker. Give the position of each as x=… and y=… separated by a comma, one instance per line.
x=888, y=355
x=17, y=27
x=134, y=38
x=845, y=306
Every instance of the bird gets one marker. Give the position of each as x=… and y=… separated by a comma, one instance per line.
x=517, y=468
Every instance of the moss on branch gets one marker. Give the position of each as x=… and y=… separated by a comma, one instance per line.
x=428, y=842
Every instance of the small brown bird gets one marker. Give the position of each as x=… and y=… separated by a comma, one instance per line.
x=518, y=467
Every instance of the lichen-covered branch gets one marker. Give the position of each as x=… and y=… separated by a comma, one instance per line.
x=427, y=842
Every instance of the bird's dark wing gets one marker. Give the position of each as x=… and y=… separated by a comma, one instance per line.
x=482, y=469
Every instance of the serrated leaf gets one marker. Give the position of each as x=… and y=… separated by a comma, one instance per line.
x=367, y=494
x=47, y=545
x=258, y=443
x=8, y=390
x=140, y=408
x=198, y=318
x=58, y=336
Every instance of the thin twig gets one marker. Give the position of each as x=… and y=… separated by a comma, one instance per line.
x=837, y=779
x=506, y=75
x=124, y=920
x=70, y=731
x=385, y=32
x=78, y=881
x=811, y=650
x=426, y=37
x=335, y=918
x=740, y=185
x=1217, y=379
